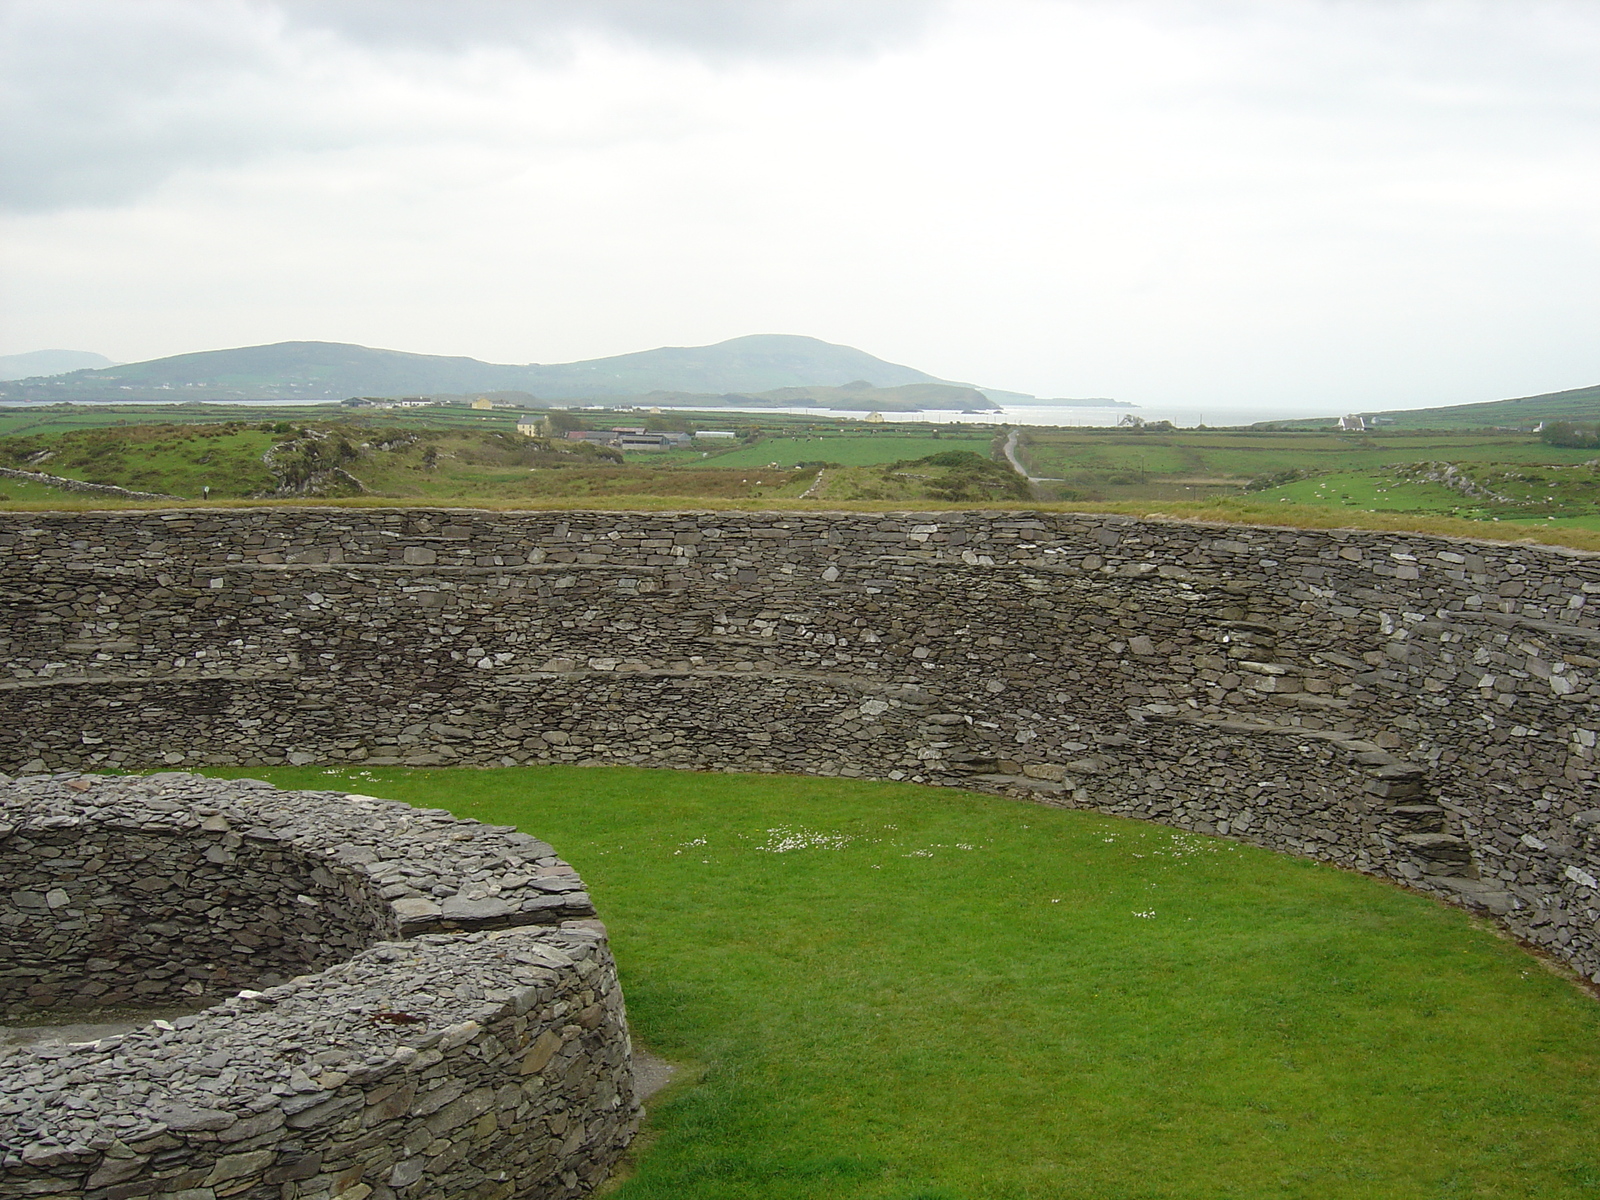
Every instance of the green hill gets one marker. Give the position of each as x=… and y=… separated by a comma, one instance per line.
x=857, y=396
x=1523, y=412
x=333, y=371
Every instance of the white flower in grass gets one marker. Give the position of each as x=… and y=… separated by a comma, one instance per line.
x=783, y=839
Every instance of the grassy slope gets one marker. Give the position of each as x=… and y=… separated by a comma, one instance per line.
x=1088, y=459
x=21, y=493
x=468, y=461
x=1523, y=411
x=941, y=995
x=176, y=460
x=17, y=422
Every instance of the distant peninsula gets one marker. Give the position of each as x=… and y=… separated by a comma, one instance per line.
x=776, y=370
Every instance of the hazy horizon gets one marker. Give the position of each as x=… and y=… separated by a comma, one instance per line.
x=1287, y=205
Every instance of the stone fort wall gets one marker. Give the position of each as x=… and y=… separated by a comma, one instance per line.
x=1421, y=708
x=458, y=1030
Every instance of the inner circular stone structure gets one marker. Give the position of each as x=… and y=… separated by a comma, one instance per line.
x=417, y=1005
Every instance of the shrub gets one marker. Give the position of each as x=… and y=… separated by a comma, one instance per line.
x=1567, y=433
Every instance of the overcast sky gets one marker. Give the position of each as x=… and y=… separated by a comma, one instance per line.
x=1309, y=205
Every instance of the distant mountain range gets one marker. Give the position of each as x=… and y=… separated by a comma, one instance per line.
x=49, y=362
x=852, y=397
x=313, y=371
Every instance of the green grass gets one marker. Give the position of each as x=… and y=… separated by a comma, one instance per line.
x=25, y=491
x=65, y=418
x=1547, y=495
x=1186, y=474
x=62, y=418
x=1369, y=490
x=1122, y=464
x=944, y=995
x=458, y=463
x=853, y=449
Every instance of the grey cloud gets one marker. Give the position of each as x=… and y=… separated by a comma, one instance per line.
x=102, y=100
x=715, y=29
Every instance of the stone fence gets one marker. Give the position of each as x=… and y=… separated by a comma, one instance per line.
x=63, y=484
x=1421, y=708
x=452, y=1026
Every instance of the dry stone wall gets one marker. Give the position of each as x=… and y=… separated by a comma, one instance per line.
x=1420, y=708
x=463, y=1037
x=161, y=889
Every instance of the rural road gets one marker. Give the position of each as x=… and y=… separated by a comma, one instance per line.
x=1016, y=463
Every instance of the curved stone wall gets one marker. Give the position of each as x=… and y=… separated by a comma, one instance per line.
x=461, y=1032
x=1420, y=708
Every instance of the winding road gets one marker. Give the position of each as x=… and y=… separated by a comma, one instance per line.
x=1016, y=463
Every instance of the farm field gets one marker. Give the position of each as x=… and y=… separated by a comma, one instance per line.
x=1103, y=465
x=872, y=445
x=353, y=458
x=1561, y=495
x=1501, y=484
x=885, y=992
x=64, y=418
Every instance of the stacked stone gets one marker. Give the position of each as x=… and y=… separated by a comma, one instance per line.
x=61, y=483
x=1260, y=681
x=486, y=1056
x=490, y=1064
x=164, y=888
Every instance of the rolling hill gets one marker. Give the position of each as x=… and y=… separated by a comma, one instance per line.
x=334, y=371
x=1521, y=412
x=853, y=397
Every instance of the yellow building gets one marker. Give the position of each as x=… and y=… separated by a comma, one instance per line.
x=483, y=402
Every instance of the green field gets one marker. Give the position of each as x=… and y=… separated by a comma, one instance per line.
x=1127, y=464
x=63, y=418
x=455, y=455
x=885, y=992
x=25, y=491
x=362, y=456
x=866, y=447
x=1549, y=494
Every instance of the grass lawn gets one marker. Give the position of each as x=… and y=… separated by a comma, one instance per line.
x=900, y=993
